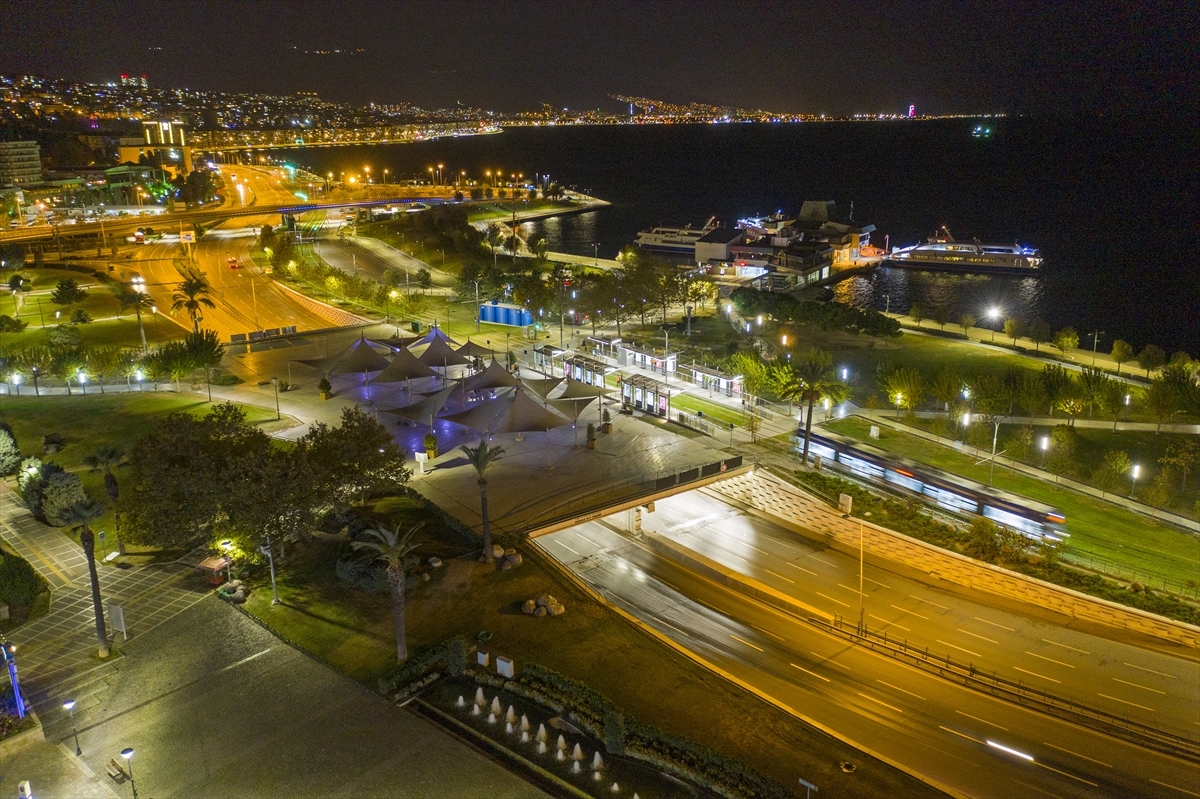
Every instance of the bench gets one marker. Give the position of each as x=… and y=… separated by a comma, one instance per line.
x=115, y=771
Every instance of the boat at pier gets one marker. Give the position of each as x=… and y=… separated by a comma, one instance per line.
x=677, y=240
x=942, y=252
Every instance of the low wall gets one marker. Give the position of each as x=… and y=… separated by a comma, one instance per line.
x=971, y=573
x=335, y=315
x=23, y=740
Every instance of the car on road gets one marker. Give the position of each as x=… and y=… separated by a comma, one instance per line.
x=233, y=263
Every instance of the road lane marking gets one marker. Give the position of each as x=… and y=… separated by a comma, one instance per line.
x=848, y=588
x=822, y=560
x=982, y=721
x=1064, y=646
x=959, y=734
x=801, y=568
x=664, y=582
x=1175, y=787
x=672, y=626
x=768, y=632
x=869, y=580
x=780, y=576
x=830, y=660
x=747, y=643
x=901, y=690
x=1135, y=685
x=1052, y=660
x=1039, y=790
x=1065, y=774
x=1152, y=671
x=806, y=671
x=977, y=635
x=1069, y=752
x=831, y=599
x=885, y=704
x=959, y=648
x=1035, y=674
x=564, y=546
x=913, y=596
x=892, y=623
x=1123, y=702
x=994, y=624
x=918, y=615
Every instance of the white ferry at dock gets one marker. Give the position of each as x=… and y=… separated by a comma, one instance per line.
x=942, y=252
x=676, y=240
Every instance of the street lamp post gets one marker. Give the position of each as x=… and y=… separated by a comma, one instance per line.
x=1137, y=469
x=70, y=706
x=1045, y=446
x=127, y=753
x=993, y=314
x=995, y=436
x=887, y=304
x=275, y=384
x=266, y=550
x=227, y=545
x=1095, y=339
x=899, y=399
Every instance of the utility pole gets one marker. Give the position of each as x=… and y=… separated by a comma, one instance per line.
x=1095, y=338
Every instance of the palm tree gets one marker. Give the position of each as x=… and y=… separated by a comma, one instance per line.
x=191, y=295
x=393, y=548
x=80, y=516
x=103, y=460
x=815, y=380
x=481, y=458
x=132, y=298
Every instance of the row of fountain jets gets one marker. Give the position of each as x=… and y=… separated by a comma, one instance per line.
x=512, y=726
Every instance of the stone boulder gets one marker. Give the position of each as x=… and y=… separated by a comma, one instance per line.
x=529, y=607
x=505, y=564
x=435, y=563
x=540, y=610
x=515, y=558
x=510, y=552
x=497, y=551
x=556, y=609
x=545, y=600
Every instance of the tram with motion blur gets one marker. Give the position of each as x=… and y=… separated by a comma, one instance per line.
x=936, y=487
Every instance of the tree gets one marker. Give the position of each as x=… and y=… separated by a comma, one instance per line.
x=905, y=388
x=393, y=548
x=815, y=379
x=1039, y=334
x=1014, y=328
x=67, y=292
x=191, y=295
x=204, y=349
x=1055, y=380
x=102, y=361
x=105, y=460
x=1151, y=357
x=61, y=491
x=1031, y=393
x=1062, y=451
x=481, y=457
x=354, y=460
x=1018, y=444
x=131, y=298
x=946, y=388
x=80, y=516
x=10, y=452
x=1160, y=400
x=941, y=314
x=966, y=322
x=1093, y=384
x=1182, y=454
x=1161, y=491
x=1070, y=400
x=916, y=312
x=1121, y=353
x=1066, y=339
x=1108, y=476
x=752, y=370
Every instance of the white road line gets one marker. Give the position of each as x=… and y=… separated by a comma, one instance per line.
x=830, y=660
x=848, y=588
x=831, y=599
x=1064, y=646
x=806, y=671
x=1052, y=660
x=892, y=623
x=901, y=690
x=1035, y=788
x=1065, y=774
x=673, y=627
x=982, y=721
x=780, y=576
x=801, y=568
x=994, y=624
x=747, y=643
x=959, y=734
x=926, y=601
x=918, y=615
x=1152, y=671
x=959, y=648
x=1135, y=685
x=822, y=560
x=976, y=635
x=564, y=546
x=1123, y=702
x=1069, y=752
x=869, y=580
x=768, y=632
x=1174, y=787
x=885, y=704
x=1035, y=674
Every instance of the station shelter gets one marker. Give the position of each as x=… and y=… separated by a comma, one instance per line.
x=548, y=358
x=587, y=370
x=604, y=346
x=646, y=394
x=716, y=381
x=652, y=360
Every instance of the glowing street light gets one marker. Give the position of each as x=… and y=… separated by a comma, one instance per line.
x=993, y=314
x=70, y=708
x=1045, y=446
x=1137, y=470
x=227, y=545
x=899, y=399
x=127, y=753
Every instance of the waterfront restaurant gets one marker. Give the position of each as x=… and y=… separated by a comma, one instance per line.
x=629, y=355
x=714, y=380
x=646, y=394
x=587, y=370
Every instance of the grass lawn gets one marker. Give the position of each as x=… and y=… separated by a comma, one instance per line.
x=1096, y=527
x=353, y=632
x=694, y=403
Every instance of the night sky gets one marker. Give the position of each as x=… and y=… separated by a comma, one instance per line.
x=810, y=57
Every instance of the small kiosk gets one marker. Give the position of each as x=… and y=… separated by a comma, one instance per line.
x=647, y=395
x=212, y=568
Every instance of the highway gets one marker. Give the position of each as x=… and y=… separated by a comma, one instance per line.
x=930, y=725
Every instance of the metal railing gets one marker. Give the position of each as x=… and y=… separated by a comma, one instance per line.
x=1112, y=568
x=944, y=665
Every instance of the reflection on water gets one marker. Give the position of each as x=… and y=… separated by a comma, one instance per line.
x=573, y=233
x=888, y=288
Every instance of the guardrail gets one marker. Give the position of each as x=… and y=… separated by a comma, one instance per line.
x=969, y=676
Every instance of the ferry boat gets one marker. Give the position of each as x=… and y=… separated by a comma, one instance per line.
x=678, y=240
x=942, y=252
x=981, y=132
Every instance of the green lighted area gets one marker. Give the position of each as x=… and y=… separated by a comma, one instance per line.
x=1096, y=527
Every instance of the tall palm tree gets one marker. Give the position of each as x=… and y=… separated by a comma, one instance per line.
x=393, y=548
x=191, y=295
x=130, y=297
x=103, y=460
x=80, y=516
x=481, y=458
x=816, y=379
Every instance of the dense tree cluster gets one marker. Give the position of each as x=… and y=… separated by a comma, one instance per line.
x=827, y=316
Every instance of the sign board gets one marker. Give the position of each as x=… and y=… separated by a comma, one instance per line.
x=188, y=237
x=481, y=658
x=504, y=666
x=845, y=503
x=874, y=431
x=100, y=535
x=116, y=619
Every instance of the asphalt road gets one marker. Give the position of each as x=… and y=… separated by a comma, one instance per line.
x=948, y=733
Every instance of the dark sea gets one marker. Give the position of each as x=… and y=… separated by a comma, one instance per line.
x=1113, y=203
